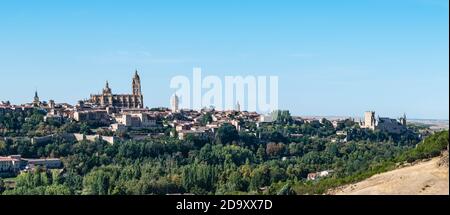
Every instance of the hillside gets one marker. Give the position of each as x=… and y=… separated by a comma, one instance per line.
x=424, y=178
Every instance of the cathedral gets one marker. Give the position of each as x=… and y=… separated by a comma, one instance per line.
x=108, y=99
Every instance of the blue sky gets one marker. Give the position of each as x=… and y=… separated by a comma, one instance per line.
x=332, y=57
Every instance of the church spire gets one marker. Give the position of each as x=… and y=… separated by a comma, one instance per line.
x=36, y=96
x=136, y=75
x=137, y=92
x=137, y=84
x=36, y=100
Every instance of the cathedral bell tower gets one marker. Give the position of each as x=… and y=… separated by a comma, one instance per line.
x=36, y=101
x=136, y=84
x=137, y=93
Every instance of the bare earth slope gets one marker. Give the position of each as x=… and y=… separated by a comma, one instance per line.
x=425, y=178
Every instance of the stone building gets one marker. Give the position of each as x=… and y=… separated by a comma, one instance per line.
x=369, y=120
x=108, y=99
x=391, y=125
x=383, y=123
x=138, y=120
x=99, y=116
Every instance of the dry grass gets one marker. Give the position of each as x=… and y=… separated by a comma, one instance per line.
x=423, y=178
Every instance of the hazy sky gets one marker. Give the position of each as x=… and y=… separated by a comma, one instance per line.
x=332, y=57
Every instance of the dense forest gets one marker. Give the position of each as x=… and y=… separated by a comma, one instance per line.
x=271, y=162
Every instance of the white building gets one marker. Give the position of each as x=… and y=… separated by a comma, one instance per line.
x=175, y=102
x=265, y=118
x=9, y=164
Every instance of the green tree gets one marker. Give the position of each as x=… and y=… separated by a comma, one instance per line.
x=260, y=178
x=226, y=134
x=286, y=190
x=2, y=186
x=57, y=190
x=261, y=153
x=85, y=129
x=206, y=119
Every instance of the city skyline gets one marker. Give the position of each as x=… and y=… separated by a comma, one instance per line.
x=336, y=60
x=237, y=107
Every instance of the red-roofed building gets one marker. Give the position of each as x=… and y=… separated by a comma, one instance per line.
x=9, y=164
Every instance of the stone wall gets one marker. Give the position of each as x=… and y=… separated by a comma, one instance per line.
x=73, y=137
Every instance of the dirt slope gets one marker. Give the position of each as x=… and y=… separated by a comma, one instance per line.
x=425, y=178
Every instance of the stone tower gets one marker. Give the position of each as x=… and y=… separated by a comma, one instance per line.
x=136, y=84
x=403, y=120
x=36, y=100
x=137, y=93
x=370, y=120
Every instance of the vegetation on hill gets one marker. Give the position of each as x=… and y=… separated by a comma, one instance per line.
x=432, y=146
x=276, y=159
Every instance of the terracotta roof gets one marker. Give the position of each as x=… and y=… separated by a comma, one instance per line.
x=8, y=159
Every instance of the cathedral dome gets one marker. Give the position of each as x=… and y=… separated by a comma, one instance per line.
x=107, y=90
